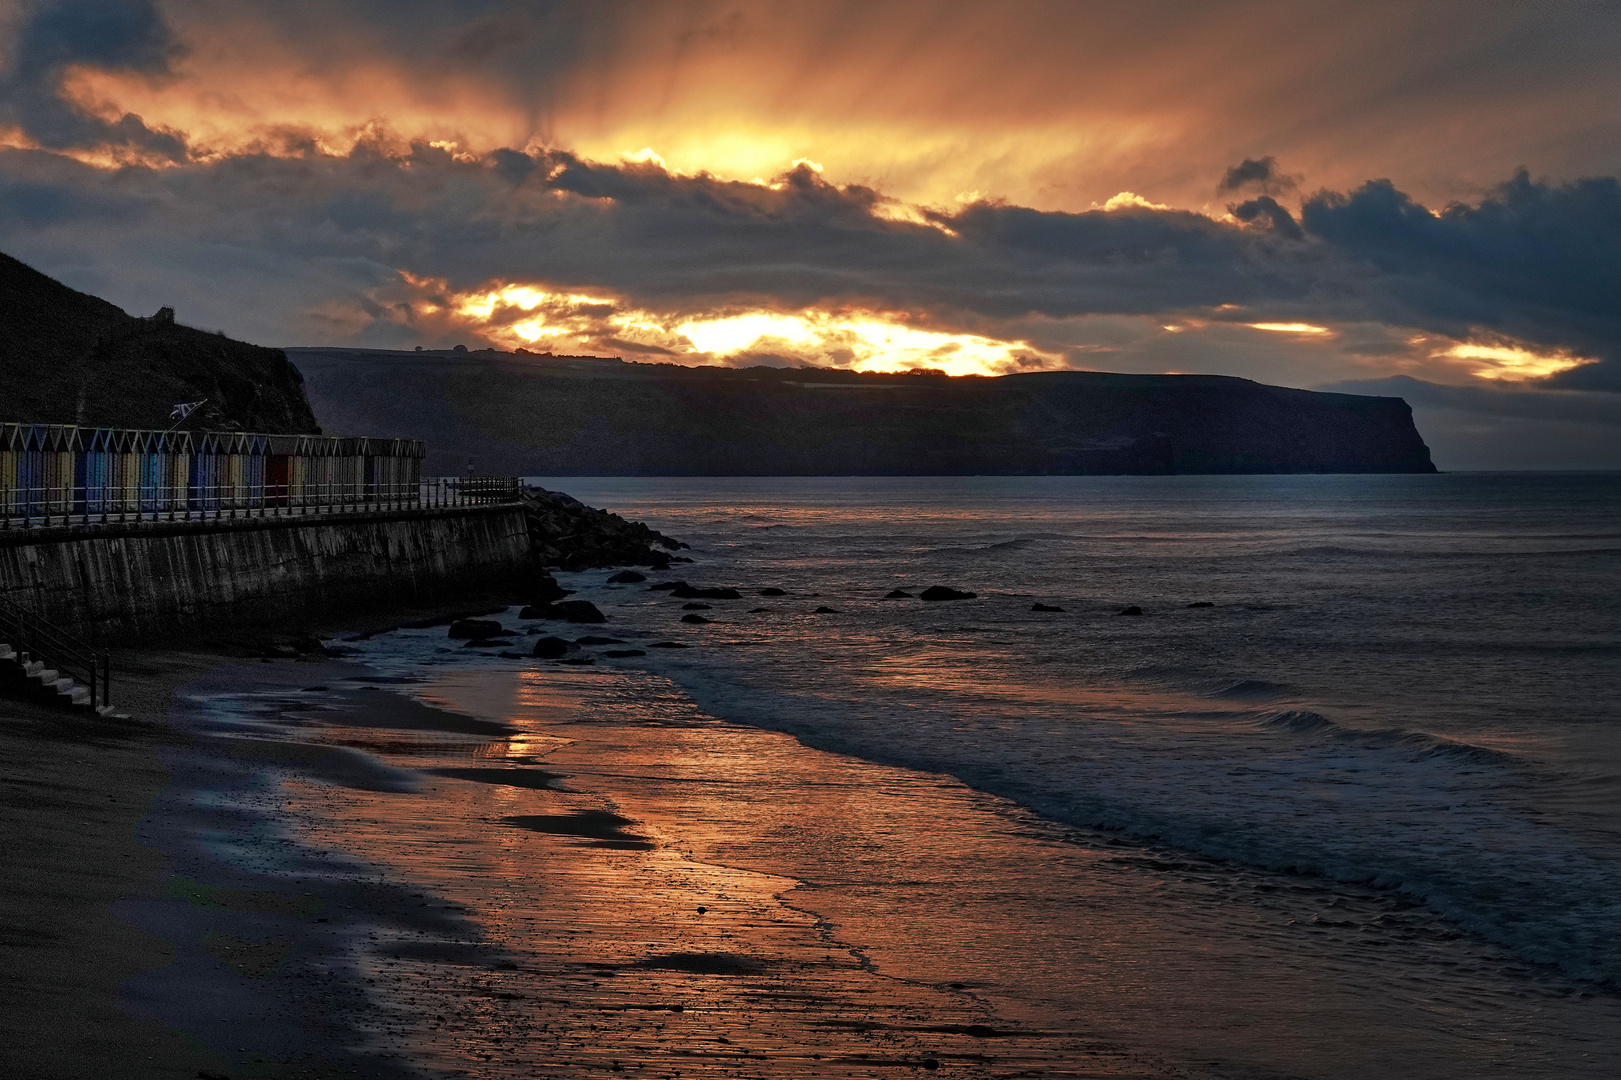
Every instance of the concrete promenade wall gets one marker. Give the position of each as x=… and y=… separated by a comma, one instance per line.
x=152, y=581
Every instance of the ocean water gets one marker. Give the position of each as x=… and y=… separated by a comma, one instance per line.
x=1383, y=765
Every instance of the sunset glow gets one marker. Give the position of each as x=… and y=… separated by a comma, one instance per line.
x=575, y=322
x=1509, y=363
x=972, y=188
x=1291, y=328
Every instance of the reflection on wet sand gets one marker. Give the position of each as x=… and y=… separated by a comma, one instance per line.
x=601, y=944
x=648, y=890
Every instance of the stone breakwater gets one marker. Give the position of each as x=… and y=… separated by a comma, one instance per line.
x=158, y=581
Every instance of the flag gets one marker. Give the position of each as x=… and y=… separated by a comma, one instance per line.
x=185, y=409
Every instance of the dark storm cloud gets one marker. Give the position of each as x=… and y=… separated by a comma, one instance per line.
x=1536, y=261
x=1264, y=210
x=112, y=35
x=1260, y=174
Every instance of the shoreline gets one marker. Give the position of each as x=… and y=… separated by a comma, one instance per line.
x=509, y=867
x=124, y=938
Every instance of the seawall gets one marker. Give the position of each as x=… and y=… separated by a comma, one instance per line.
x=152, y=581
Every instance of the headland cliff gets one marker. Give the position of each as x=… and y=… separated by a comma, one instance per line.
x=530, y=414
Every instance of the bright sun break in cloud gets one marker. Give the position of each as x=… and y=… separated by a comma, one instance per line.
x=1511, y=363
x=569, y=322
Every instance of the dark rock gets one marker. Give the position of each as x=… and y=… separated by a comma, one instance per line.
x=1201, y=603
x=773, y=592
x=695, y=606
x=620, y=654
x=475, y=628
x=897, y=594
x=487, y=643
x=582, y=611
x=514, y=656
x=541, y=611
x=758, y=610
x=626, y=577
x=542, y=588
x=666, y=586
x=1038, y=606
x=696, y=619
x=578, y=611
x=1132, y=610
x=441, y=620
x=824, y=611
x=549, y=648
x=668, y=645
x=578, y=660
x=688, y=592
x=942, y=592
x=594, y=640
x=565, y=532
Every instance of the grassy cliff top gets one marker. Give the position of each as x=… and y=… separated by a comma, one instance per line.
x=70, y=358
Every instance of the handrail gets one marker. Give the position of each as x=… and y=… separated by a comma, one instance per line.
x=35, y=638
x=84, y=506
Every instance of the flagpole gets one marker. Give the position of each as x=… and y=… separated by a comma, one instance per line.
x=184, y=416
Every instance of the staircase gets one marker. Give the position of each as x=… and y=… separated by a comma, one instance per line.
x=44, y=662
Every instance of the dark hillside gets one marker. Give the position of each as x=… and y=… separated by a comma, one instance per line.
x=571, y=416
x=70, y=358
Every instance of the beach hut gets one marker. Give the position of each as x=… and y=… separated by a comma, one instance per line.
x=12, y=438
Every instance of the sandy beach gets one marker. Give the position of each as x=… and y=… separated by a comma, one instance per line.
x=287, y=870
x=428, y=861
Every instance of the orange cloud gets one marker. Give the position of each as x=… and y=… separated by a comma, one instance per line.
x=1045, y=104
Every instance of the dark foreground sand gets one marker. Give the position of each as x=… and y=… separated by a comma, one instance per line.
x=95, y=904
x=351, y=884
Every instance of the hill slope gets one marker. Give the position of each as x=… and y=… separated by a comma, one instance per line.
x=70, y=358
x=572, y=416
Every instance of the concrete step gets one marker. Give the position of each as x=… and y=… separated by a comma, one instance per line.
x=7, y=652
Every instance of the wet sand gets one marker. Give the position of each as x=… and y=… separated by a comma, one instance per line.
x=593, y=941
x=540, y=870
x=797, y=903
x=126, y=951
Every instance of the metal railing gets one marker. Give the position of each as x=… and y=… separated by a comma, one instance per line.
x=82, y=506
x=34, y=638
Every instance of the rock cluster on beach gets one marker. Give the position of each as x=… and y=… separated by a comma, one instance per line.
x=568, y=534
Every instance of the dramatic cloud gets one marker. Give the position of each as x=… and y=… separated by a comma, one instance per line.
x=1054, y=104
x=1259, y=174
x=55, y=37
x=1533, y=261
x=905, y=185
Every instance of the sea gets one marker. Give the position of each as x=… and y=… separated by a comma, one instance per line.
x=1266, y=776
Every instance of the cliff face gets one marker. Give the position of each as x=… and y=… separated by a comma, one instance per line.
x=70, y=358
x=571, y=416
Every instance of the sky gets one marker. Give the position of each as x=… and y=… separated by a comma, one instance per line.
x=1414, y=198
